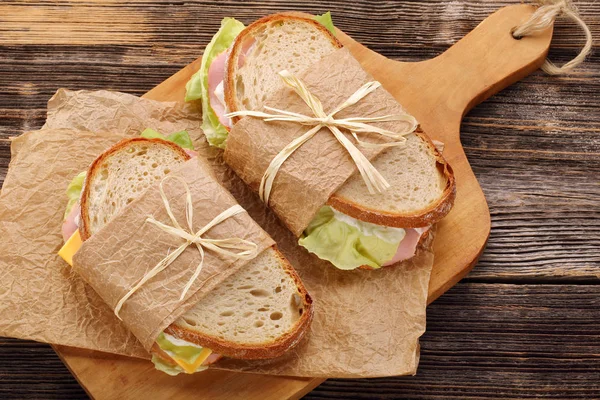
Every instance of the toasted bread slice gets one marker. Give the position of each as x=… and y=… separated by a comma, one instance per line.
x=267, y=46
x=260, y=312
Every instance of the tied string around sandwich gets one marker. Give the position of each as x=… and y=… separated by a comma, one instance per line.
x=373, y=179
x=246, y=250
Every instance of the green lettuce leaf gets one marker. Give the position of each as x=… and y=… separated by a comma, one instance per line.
x=181, y=138
x=349, y=243
x=160, y=365
x=74, y=191
x=150, y=133
x=326, y=21
x=188, y=353
x=179, y=349
x=197, y=86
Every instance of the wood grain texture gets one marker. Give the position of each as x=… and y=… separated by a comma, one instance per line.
x=501, y=341
x=534, y=148
x=508, y=341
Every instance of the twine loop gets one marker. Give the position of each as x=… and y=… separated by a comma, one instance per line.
x=246, y=250
x=543, y=18
x=373, y=179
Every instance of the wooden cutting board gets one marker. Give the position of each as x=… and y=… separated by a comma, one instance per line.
x=438, y=92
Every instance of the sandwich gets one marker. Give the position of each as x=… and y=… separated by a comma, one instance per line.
x=226, y=322
x=355, y=229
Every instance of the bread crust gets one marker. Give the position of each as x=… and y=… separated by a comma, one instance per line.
x=84, y=229
x=259, y=351
x=231, y=67
x=428, y=216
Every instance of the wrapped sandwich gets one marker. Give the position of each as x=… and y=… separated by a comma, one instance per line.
x=260, y=311
x=354, y=227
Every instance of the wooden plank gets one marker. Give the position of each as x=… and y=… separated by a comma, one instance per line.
x=85, y=22
x=511, y=341
x=545, y=224
x=501, y=341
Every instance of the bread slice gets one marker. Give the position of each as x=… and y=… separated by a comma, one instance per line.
x=121, y=174
x=422, y=187
x=281, y=41
x=422, y=183
x=259, y=312
x=255, y=314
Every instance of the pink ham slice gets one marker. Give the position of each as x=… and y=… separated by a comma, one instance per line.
x=213, y=358
x=191, y=153
x=70, y=226
x=216, y=74
x=408, y=245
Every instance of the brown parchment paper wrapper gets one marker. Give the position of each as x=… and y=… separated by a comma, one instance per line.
x=41, y=297
x=366, y=323
x=320, y=166
x=114, y=259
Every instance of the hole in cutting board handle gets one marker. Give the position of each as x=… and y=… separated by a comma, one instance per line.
x=512, y=33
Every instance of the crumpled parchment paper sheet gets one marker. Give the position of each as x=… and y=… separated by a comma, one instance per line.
x=366, y=324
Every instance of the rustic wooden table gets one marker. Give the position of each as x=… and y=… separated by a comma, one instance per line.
x=525, y=323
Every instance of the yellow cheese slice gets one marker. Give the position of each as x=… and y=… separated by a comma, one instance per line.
x=70, y=248
x=193, y=367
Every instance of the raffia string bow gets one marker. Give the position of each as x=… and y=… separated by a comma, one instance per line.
x=373, y=179
x=246, y=249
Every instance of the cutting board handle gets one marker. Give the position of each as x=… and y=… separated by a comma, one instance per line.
x=487, y=59
x=441, y=90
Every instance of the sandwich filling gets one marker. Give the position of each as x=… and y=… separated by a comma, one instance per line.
x=349, y=243
x=216, y=78
x=216, y=90
x=197, y=88
x=183, y=356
